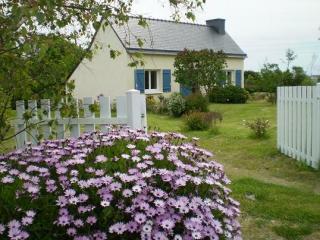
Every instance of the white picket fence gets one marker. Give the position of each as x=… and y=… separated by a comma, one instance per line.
x=130, y=111
x=298, y=110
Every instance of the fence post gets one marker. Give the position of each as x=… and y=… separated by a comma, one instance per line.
x=134, y=109
x=21, y=137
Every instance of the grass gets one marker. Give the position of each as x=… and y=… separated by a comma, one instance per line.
x=280, y=197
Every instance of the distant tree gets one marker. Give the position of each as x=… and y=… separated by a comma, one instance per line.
x=290, y=57
x=252, y=81
x=272, y=77
x=196, y=69
x=300, y=77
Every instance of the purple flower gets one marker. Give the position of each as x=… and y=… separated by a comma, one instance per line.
x=140, y=218
x=118, y=228
x=2, y=229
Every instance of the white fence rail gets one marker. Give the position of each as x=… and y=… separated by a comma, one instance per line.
x=298, y=110
x=130, y=111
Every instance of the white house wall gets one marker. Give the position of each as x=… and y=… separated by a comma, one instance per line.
x=112, y=77
x=102, y=74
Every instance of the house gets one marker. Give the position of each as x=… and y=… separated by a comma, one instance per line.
x=162, y=41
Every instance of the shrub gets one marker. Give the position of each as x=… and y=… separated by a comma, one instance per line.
x=229, y=94
x=271, y=98
x=162, y=105
x=176, y=104
x=198, y=121
x=197, y=102
x=123, y=184
x=259, y=126
x=151, y=104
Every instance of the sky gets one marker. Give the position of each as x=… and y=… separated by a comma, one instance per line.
x=264, y=29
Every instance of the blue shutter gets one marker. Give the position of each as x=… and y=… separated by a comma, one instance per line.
x=185, y=91
x=238, y=78
x=139, y=80
x=166, y=77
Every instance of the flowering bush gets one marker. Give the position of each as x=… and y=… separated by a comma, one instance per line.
x=176, y=104
x=121, y=185
x=259, y=126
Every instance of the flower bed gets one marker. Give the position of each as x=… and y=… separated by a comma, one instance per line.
x=121, y=185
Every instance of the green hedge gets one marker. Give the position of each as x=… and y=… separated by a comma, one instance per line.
x=229, y=94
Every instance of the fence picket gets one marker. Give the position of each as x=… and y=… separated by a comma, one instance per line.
x=60, y=127
x=309, y=122
x=75, y=128
x=21, y=135
x=87, y=102
x=299, y=126
x=294, y=122
x=105, y=110
x=121, y=106
x=33, y=133
x=45, y=108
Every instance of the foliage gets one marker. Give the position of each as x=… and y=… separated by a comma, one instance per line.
x=150, y=104
x=259, y=126
x=162, y=105
x=124, y=184
x=308, y=82
x=28, y=28
x=229, y=94
x=196, y=69
x=252, y=81
x=176, y=104
x=197, y=102
x=290, y=57
x=198, y=121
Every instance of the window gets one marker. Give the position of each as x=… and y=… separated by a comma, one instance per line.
x=229, y=77
x=150, y=80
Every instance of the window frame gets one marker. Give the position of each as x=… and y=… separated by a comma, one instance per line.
x=157, y=75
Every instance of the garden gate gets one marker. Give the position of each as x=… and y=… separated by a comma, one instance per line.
x=130, y=111
x=298, y=110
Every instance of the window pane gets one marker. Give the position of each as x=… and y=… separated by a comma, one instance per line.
x=153, y=80
x=229, y=77
x=146, y=80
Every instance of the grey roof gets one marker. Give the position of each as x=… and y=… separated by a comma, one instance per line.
x=170, y=36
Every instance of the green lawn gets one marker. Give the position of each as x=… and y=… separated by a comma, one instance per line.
x=280, y=198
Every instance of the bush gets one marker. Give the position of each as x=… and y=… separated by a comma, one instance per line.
x=229, y=94
x=150, y=104
x=121, y=185
x=198, y=121
x=162, y=105
x=197, y=102
x=176, y=104
x=258, y=96
x=259, y=126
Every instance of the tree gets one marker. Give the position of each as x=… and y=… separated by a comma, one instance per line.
x=272, y=77
x=196, y=69
x=23, y=24
x=252, y=81
x=290, y=57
